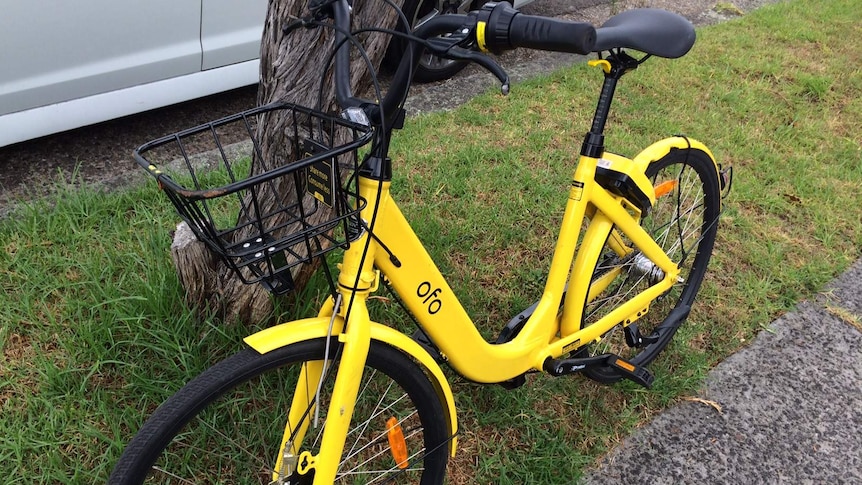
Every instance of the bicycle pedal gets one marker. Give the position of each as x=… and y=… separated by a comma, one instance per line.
x=511, y=330
x=637, y=374
x=516, y=324
x=632, y=372
x=514, y=382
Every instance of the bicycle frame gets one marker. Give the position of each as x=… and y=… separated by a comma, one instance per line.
x=600, y=243
x=553, y=329
x=548, y=333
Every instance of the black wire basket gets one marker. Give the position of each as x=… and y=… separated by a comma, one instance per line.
x=264, y=216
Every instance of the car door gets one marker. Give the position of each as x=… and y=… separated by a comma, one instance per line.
x=58, y=50
x=231, y=31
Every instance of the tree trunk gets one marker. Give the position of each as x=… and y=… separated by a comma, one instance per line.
x=292, y=68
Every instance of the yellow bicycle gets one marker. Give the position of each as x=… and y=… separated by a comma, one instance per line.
x=342, y=398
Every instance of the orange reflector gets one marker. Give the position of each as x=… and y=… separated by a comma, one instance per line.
x=625, y=365
x=665, y=188
x=397, y=443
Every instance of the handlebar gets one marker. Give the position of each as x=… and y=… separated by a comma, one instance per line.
x=341, y=15
x=506, y=28
x=496, y=27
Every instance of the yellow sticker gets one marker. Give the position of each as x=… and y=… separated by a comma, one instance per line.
x=577, y=191
x=572, y=346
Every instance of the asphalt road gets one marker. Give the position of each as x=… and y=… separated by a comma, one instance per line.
x=786, y=409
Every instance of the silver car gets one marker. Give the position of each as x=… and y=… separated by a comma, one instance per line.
x=66, y=64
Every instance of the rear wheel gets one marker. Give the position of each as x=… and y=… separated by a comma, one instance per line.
x=683, y=221
x=226, y=425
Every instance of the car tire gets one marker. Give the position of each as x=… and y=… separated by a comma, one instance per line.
x=431, y=68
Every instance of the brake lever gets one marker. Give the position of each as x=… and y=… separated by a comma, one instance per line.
x=448, y=47
x=488, y=63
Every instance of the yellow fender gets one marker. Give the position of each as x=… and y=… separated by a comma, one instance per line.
x=312, y=328
x=635, y=168
x=661, y=148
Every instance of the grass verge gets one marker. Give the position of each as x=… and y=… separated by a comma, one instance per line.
x=94, y=333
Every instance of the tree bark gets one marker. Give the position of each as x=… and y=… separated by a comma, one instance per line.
x=292, y=68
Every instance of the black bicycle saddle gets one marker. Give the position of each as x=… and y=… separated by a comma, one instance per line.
x=653, y=31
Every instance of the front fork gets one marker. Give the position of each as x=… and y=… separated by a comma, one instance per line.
x=355, y=340
x=357, y=280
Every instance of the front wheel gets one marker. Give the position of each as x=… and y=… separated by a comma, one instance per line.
x=226, y=425
x=683, y=222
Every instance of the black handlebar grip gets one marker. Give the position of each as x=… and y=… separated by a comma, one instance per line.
x=550, y=34
x=506, y=28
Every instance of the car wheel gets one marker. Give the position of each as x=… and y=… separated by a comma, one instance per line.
x=431, y=68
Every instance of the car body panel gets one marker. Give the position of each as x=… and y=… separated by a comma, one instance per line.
x=230, y=34
x=54, y=51
x=54, y=118
x=69, y=64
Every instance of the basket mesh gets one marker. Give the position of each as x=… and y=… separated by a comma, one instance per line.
x=264, y=216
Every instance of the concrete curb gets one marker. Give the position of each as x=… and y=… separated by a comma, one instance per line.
x=791, y=408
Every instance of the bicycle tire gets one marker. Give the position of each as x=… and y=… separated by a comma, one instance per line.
x=239, y=395
x=688, y=213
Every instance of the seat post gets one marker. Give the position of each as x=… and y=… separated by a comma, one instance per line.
x=594, y=142
x=615, y=66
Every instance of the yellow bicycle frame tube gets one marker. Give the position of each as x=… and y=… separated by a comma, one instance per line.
x=548, y=333
x=428, y=296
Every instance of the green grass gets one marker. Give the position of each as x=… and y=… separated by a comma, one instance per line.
x=95, y=334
